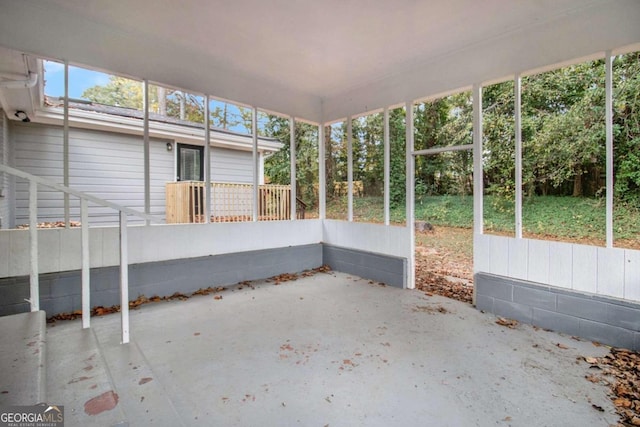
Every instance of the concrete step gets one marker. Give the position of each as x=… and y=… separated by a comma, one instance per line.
x=103, y=382
x=79, y=379
x=23, y=359
x=143, y=395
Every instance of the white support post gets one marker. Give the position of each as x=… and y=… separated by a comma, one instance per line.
x=387, y=166
x=34, y=285
x=292, y=158
x=518, y=154
x=609, y=142
x=322, y=173
x=145, y=137
x=350, y=168
x=124, y=278
x=410, y=194
x=478, y=225
x=254, y=131
x=86, y=276
x=207, y=161
x=65, y=146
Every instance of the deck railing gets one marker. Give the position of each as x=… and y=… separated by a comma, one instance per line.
x=230, y=202
x=34, y=285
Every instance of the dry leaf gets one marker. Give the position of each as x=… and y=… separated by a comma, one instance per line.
x=593, y=378
x=509, y=323
x=622, y=402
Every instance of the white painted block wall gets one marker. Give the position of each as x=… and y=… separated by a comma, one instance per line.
x=59, y=249
x=612, y=272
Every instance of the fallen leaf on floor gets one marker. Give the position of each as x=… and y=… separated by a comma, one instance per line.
x=430, y=309
x=623, y=367
x=144, y=380
x=597, y=408
x=622, y=402
x=509, y=323
x=142, y=300
x=593, y=378
x=562, y=346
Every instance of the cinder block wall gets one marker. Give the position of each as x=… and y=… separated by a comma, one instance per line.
x=607, y=320
x=61, y=292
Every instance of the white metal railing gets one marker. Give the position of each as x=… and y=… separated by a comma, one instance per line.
x=34, y=287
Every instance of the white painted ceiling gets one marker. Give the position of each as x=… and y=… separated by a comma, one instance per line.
x=318, y=59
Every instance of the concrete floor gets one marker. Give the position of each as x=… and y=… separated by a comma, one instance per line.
x=326, y=350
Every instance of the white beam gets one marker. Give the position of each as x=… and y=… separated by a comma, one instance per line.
x=254, y=132
x=410, y=194
x=387, y=166
x=447, y=149
x=322, y=173
x=478, y=226
x=207, y=161
x=65, y=146
x=350, y=168
x=145, y=137
x=124, y=278
x=86, y=275
x=609, y=142
x=518, y=154
x=34, y=284
x=292, y=158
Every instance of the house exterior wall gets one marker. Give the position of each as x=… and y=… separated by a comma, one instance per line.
x=5, y=186
x=231, y=166
x=104, y=164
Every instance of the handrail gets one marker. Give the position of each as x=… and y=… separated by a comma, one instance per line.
x=79, y=194
x=34, y=286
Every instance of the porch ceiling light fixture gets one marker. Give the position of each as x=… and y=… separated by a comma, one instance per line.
x=22, y=116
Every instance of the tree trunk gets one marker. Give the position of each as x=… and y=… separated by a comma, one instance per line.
x=577, y=183
x=162, y=101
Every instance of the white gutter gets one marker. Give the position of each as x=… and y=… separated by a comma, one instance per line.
x=30, y=82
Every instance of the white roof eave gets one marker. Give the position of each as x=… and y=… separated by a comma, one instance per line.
x=129, y=125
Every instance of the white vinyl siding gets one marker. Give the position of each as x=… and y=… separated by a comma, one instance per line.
x=231, y=166
x=106, y=165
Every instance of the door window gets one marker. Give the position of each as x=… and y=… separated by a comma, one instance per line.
x=190, y=163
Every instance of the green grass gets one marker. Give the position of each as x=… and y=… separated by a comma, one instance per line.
x=565, y=217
